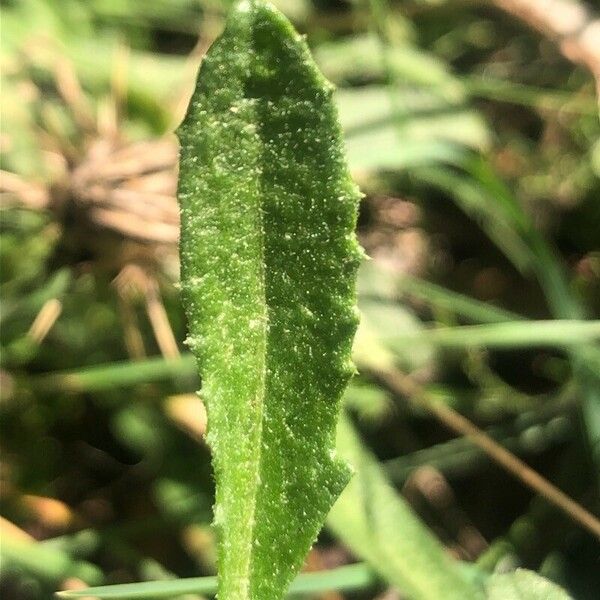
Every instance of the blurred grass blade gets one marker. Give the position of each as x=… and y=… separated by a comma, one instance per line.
x=375, y=281
x=563, y=303
x=503, y=90
x=55, y=287
x=343, y=579
x=50, y=564
x=496, y=202
x=523, y=585
x=118, y=374
x=147, y=589
x=458, y=304
x=501, y=222
x=517, y=334
x=373, y=520
x=358, y=57
x=405, y=128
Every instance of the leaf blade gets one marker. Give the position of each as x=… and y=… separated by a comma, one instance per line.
x=347, y=578
x=378, y=525
x=269, y=262
x=523, y=585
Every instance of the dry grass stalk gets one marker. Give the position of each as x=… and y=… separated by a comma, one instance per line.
x=406, y=386
x=130, y=189
x=44, y=321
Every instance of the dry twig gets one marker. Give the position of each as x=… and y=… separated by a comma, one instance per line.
x=404, y=385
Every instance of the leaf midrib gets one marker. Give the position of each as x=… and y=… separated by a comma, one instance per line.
x=257, y=455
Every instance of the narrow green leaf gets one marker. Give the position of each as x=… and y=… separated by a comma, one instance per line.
x=459, y=304
x=373, y=520
x=514, y=334
x=405, y=128
x=523, y=585
x=358, y=57
x=348, y=578
x=504, y=90
x=32, y=302
x=117, y=374
x=487, y=199
x=269, y=261
x=377, y=281
x=146, y=589
x=494, y=217
x=49, y=564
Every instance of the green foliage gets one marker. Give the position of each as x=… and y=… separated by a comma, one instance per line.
x=523, y=585
x=379, y=526
x=404, y=129
x=349, y=578
x=439, y=103
x=517, y=334
x=49, y=564
x=269, y=262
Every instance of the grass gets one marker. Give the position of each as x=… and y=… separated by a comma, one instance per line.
x=480, y=181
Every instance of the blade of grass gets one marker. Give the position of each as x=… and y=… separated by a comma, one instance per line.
x=343, y=579
x=119, y=374
x=515, y=334
x=501, y=90
x=50, y=564
x=502, y=224
x=553, y=280
x=377, y=524
x=32, y=302
x=543, y=261
x=459, y=304
x=487, y=199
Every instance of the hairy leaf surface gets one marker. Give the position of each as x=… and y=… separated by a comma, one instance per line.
x=268, y=269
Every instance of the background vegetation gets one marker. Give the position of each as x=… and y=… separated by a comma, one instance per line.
x=474, y=134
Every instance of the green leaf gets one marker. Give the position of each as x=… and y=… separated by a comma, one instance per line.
x=268, y=263
x=359, y=57
x=523, y=585
x=513, y=334
x=48, y=564
x=442, y=298
x=348, y=578
x=373, y=520
x=117, y=374
x=406, y=128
